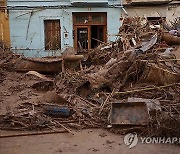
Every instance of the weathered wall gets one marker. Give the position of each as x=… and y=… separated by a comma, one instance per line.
x=27, y=29
x=173, y=12
x=169, y=11
x=4, y=24
x=146, y=11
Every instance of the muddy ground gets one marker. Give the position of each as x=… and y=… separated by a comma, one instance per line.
x=87, y=141
x=16, y=88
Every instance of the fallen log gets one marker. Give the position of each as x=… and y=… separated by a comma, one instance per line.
x=170, y=39
x=73, y=57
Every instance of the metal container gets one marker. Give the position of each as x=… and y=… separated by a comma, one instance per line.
x=134, y=113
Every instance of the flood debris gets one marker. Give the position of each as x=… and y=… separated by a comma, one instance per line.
x=134, y=82
x=159, y=76
x=57, y=111
x=170, y=39
x=50, y=65
x=36, y=74
x=43, y=85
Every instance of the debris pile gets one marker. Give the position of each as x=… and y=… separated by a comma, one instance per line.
x=133, y=83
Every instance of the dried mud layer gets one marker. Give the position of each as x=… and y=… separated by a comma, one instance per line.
x=15, y=88
x=96, y=141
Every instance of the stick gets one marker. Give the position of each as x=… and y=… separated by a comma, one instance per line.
x=81, y=67
x=103, y=104
x=145, y=89
x=67, y=129
x=63, y=69
x=34, y=133
x=160, y=60
x=80, y=47
x=68, y=121
x=86, y=101
x=98, y=40
x=20, y=123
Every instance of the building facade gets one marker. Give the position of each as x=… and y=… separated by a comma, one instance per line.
x=152, y=9
x=46, y=28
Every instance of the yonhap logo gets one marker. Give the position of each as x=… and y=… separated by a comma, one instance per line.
x=131, y=140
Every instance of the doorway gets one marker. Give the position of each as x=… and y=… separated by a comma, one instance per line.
x=82, y=38
x=90, y=30
x=97, y=36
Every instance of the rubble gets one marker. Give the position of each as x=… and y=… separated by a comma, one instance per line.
x=140, y=71
x=51, y=65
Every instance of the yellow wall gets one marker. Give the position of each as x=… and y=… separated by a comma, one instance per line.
x=4, y=23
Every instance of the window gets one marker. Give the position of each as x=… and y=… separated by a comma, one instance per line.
x=52, y=34
x=156, y=20
x=89, y=18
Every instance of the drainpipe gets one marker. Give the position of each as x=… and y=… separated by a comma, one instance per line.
x=125, y=11
x=122, y=7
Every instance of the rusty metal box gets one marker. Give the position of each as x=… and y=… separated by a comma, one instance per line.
x=134, y=113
